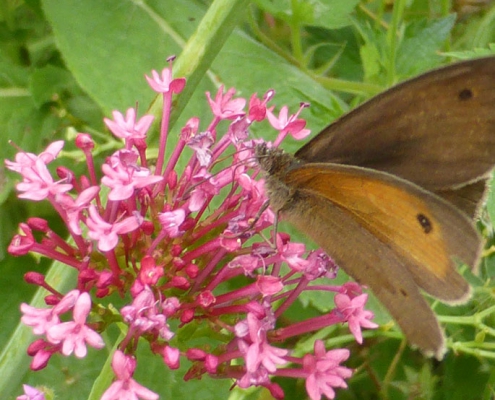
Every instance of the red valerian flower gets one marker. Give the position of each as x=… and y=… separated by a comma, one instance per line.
x=183, y=242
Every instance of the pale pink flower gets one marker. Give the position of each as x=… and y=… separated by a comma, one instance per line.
x=140, y=304
x=288, y=124
x=259, y=352
x=107, y=234
x=38, y=183
x=171, y=221
x=325, y=372
x=143, y=316
x=73, y=208
x=269, y=285
x=27, y=160
x=203, y=188
x=171, y=357
x=247, y=262
x=39, y=319
x=127, y=127
x=291, y=253
x=355, y=314
x=165, y=83
x=126, y=388
x=43, y=319
x=31, y=393
x=254, y=378
x=75, y=334
x=224, y=107
x=124, y=179
x=170, y=306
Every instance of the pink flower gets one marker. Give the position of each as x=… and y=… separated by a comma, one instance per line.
x=288, y=124
x=150, y=272
x=31, y=393
x=201, y=144
x=75, y=334
x=165, y=83
x=21, y=244
x=257, y=107
x=291, y=253
x=259, y=352
x=247, y=262
x=171, y=221
x=269, y=285
x=38, y=184
x=43, y=319
x=73, y=208
x=126, y=127
x=140, y=304
x=41, y=351
x=125, y=387
x=206, y=188
x=171, y=357
x=211, y=363
x=125, y=179
x=259, y=377
x=107, y=234
x=85, y=142
x=225, y=108
x=354, y=312
x=28, y=160
x=186, y=244
x=325, y=372
x=319, y=265
x=143, y=315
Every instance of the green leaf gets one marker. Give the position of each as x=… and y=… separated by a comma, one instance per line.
x=333, y=14
x=109, y=46
x=419, y=47
x=48, y=82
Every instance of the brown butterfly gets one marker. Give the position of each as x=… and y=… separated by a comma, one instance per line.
x=390, y=190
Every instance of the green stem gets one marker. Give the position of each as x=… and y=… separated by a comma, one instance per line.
x=467, y=320
x=392, y=39
x=352, y=87
x=200, y=51
x=271, y=44
x=295, y=32
x=392, y=369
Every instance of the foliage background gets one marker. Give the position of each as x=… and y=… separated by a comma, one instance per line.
x=66, y=64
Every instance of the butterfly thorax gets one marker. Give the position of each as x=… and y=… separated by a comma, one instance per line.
x=276, y=163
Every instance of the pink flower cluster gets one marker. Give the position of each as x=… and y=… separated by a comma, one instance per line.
x=176, y=236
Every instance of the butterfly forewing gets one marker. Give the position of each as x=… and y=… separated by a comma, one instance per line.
x=436, y=130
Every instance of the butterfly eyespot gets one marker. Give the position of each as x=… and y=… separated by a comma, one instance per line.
x=425, y=223
x=465, y=94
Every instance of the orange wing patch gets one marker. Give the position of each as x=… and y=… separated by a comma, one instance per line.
x=391, y=209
